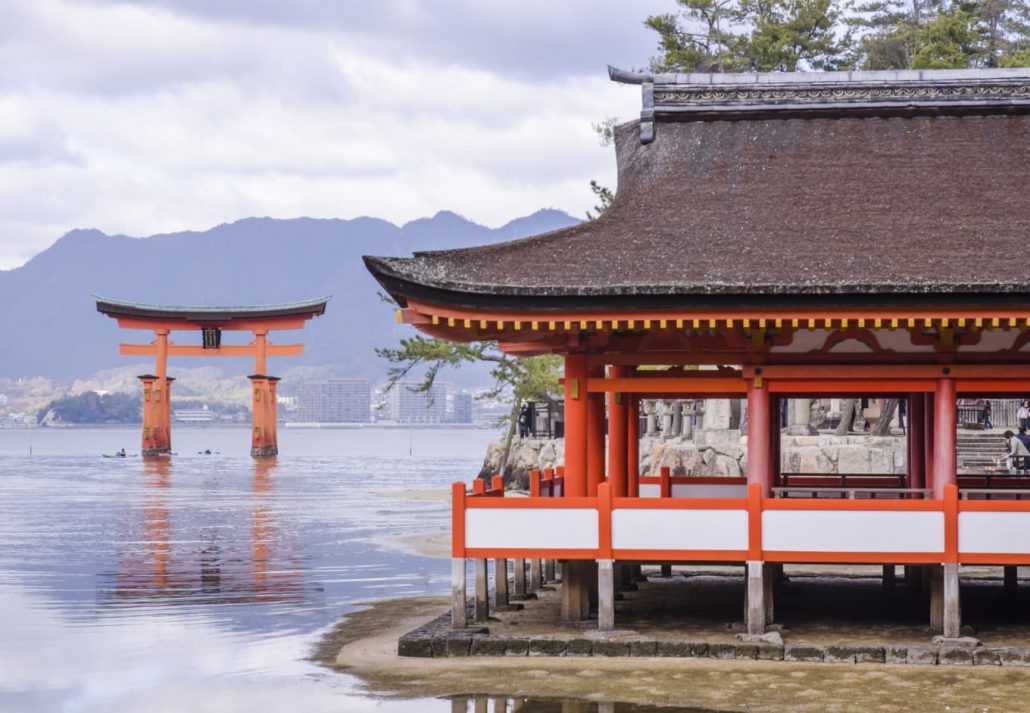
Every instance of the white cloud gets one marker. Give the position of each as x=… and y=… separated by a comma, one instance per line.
x=166, y=116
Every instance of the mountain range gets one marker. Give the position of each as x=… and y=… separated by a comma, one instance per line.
x=51, y=327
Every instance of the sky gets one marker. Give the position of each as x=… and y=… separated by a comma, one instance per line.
x=164, y=115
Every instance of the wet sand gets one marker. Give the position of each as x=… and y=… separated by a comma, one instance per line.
x=365, y=645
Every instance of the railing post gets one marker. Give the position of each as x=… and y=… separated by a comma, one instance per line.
x=497, y=485
x=605, y=563
x=952, y=624
x=534, y=483
x=665, y=482
x=756, y=571
x=459, y=616
x=604, y=521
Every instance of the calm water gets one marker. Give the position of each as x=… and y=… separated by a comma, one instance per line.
x=202, y=582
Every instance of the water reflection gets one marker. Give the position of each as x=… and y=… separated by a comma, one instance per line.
x=203, y=582
x=208, y=556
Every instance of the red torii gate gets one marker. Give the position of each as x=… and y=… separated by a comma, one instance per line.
x=211, y=322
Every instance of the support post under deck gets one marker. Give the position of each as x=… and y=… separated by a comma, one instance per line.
x=605, y=595
x=482, y=590
x=755, y=598
x=459, y=616
x=952, y=623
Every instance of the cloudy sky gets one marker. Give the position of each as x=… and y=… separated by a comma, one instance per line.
x=164, y=115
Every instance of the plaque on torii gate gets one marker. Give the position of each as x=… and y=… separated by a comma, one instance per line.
x=210, y=322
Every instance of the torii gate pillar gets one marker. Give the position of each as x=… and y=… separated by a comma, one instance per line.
x=157, y=415
x=264, y=435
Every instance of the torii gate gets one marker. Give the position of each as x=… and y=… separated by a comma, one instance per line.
x=211, y=322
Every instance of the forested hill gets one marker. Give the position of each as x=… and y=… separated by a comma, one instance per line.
x=51, y=328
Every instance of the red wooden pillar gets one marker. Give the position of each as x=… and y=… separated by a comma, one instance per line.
x=759, y=443
x=262, y=441
x=156, y=439
x=149, y=434
x=617, y=412
x=774, y=436
x=595, y=434
x=945, y=460
x=575, y=425
x=916, y=441
x=928, y=439
x=273, y=416
x=632, y=444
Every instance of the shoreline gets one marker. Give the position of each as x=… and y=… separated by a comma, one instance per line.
x=364, y=645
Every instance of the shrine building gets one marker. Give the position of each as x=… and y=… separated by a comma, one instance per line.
x=773, y=236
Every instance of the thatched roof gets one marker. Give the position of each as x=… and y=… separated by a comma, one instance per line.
x=851, y=197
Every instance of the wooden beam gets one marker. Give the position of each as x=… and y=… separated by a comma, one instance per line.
x=891, y=371
x=817, y=317
x=842, y=385
x=670, y=385
x=225, y=350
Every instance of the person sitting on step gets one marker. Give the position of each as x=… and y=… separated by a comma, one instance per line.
x=1017, y=452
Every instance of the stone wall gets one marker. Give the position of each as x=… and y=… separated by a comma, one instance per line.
x=526, y=454
x=719, y=452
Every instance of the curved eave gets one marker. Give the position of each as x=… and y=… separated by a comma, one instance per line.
x=122, y=308
x=541, y=298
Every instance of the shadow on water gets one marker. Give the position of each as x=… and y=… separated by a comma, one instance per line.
x=203, y=554
x=493, y=704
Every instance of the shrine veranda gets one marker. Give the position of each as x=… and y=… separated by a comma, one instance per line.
x=773, y=236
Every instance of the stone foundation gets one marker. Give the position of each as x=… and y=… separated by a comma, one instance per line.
x=436, y=639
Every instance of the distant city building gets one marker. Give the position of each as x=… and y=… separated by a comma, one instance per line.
x=404, y=405
x=334, y=401
x=194, y=415
x=461, y=407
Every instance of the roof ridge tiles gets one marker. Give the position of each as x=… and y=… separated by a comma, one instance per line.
x=751, y=96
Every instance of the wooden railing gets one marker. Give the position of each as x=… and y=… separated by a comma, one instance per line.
x=734, y=529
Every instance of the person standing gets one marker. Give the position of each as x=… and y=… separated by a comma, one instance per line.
x=524, y=421
x=1023, y=414
x=988, y=418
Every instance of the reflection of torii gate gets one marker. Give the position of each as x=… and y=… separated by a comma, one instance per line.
x=210, y=321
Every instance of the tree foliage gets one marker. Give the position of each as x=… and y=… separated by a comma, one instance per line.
x=91, y=407
x=515, y=379
x=941, y=34
x=527, y=379
x=604, y=196
x=751, y=35
x=792, y=35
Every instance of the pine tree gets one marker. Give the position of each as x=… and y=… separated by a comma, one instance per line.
x=751, y=35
